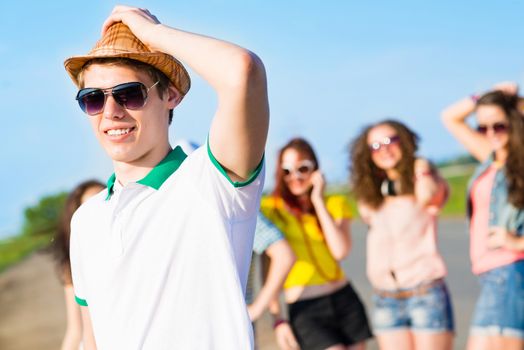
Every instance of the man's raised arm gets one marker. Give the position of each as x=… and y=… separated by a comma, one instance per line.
x=239, y=129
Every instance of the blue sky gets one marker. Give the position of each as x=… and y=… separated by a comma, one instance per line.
x=333, y=67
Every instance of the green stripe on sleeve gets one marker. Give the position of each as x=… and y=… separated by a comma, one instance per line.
x=81, y=302
x=220, y=168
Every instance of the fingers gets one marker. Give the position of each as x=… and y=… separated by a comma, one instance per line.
x=292, y=343
x=422, y=165
x=133, y=17
x=317, y=177
x=150, y=15
x=251, y=312
x=114, y=17
x=508, y=87
x=496, y=238
x=287, y=338
x=318, y=183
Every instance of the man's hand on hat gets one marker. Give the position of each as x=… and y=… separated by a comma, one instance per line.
x=140, y=21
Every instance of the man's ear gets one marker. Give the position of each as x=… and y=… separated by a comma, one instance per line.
x=173, y=96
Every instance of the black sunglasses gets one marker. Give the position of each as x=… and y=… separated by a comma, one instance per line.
x=128, y=95
x=497, y=128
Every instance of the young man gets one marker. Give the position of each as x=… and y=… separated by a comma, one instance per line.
x=160, y=259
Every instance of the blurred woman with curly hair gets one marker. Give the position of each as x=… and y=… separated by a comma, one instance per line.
x=399, y=196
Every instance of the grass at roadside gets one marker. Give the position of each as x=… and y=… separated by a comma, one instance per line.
x=14, y=249
x=456, y=205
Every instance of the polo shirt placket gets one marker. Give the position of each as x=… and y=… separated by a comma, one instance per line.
x=124, y=202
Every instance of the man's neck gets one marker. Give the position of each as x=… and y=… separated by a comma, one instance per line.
x=136, y=170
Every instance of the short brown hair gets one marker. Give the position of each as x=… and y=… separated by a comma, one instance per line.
x=152, y=72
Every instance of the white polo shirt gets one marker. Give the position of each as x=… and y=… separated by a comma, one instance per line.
x=162, y=263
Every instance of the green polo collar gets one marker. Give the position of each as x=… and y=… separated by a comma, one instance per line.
x=159, y=174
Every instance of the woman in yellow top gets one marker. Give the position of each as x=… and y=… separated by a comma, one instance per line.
x=324, y=310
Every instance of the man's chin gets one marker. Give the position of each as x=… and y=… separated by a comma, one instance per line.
x=119, y=156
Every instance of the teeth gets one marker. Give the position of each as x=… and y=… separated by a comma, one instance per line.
x=118, y=132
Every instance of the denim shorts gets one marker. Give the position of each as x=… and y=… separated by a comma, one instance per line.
x=428, y=312
x=500, y=306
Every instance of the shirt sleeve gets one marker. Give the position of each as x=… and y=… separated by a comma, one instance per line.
x=338, y=207
x=266, y=234
x=236, y=201
x=76, y=264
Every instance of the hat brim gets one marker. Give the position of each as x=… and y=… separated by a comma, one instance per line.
x=165, y=63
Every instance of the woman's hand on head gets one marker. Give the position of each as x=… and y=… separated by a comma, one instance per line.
x=508, y=87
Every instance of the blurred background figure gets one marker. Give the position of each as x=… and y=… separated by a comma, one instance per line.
x=495, y=212
x=274, y=257
x=399, y=197
x=80, y=194
x=324, y=310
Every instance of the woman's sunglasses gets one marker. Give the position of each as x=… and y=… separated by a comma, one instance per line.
x=497, y=128
x=304, y=167
x=386, y=142
x=128, y=95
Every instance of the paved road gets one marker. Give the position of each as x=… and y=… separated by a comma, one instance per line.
x=454, y=246
x=32, y=309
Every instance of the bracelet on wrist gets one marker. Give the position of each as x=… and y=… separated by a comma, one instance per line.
x=278, y=322
x=421, y=174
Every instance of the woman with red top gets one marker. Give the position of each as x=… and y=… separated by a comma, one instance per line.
x=399, y=196
x=324, y=310
x=495, y=212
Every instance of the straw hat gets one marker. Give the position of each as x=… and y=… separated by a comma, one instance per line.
x=119, y=41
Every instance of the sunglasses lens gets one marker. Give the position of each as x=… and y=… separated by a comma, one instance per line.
x=394, y=140
x=483, y=129
x=91, y=101
x=499, y=127
x=304, y=169
x=130, y=95
x=385, y=143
